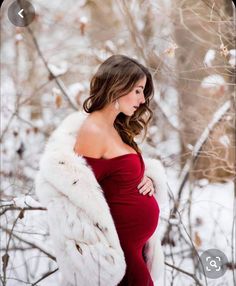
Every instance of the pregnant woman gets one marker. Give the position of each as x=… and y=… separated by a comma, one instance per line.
x=120, y=94
x=109, y=220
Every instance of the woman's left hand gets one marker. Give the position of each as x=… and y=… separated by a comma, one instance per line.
x=146, y=186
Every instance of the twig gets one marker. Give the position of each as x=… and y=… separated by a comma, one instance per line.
x=44, y=276
x=13, y=208
x=30, y=243
x=58, y=82
x=196, y=151
x=7, y=126
x=200, y=142
x=5, y=257
x=190, y=31
x=233, y=234
x=185, y=272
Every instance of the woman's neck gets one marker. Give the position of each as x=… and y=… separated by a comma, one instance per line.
x=106, y=116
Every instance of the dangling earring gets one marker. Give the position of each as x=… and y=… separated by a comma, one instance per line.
x=117, y=106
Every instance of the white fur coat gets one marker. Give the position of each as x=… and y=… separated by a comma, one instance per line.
x=85, y=241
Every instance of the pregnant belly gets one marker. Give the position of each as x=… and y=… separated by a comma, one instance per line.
x=135, y=216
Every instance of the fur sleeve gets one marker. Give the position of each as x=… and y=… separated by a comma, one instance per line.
x=69, y=176
x=154, y=256
x=83, y=233
x=155, y=170
x=153, y=251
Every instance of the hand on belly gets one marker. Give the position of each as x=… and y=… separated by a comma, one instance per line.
x=146, y=186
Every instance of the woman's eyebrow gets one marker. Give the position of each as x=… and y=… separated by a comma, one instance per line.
x=140, y=86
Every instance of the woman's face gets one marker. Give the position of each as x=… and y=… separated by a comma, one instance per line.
x=134, y=98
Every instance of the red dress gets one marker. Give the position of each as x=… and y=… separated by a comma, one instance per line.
x=135, y=215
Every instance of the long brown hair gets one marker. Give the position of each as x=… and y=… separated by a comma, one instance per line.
x=115, y=78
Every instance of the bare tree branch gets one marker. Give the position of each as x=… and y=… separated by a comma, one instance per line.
x=29, y=243
x=57, y=80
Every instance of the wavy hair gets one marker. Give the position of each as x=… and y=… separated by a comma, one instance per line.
x=115, y=78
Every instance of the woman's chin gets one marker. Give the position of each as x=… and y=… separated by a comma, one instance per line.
x=129, y=112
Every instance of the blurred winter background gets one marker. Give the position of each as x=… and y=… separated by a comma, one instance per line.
x=189, y=46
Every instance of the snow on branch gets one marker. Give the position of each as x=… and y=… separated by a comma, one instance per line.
x=202, y=139
x=26, y=201
x=58, y=81
x=23, y=202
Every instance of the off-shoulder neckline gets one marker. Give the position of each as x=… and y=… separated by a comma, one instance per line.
x=117, y=157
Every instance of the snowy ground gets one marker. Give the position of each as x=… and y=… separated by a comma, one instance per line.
x=211, y=221
x=212, y=206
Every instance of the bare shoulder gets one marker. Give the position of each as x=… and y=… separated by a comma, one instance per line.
x=90, y=140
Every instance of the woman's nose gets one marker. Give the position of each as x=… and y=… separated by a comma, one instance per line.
x=143, y=99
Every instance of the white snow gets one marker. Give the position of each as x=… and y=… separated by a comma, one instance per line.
x=84, y=20
x=58, y=69
x=232, y=52
x=209, y=57
x=213, y=81
x=26, y=201
x=111, y=46
x=224, y=140
x=19, y=37
x=232, y=62
x=74, y=58
x=75, y=88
